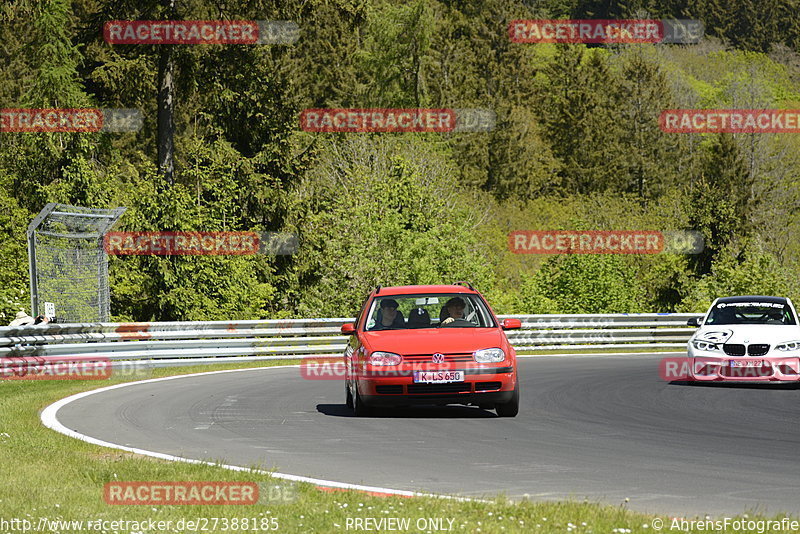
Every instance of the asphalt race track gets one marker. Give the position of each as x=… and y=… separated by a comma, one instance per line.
x=597, y=427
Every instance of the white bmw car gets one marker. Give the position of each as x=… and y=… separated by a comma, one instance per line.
x=751, y=338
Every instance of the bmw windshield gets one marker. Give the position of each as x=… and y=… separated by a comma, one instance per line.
x=765, y=313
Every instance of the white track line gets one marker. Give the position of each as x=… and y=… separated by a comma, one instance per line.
x=50, y=420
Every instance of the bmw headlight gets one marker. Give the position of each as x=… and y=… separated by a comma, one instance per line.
x=788, y=346
x=489, y=355
x=384, y=358
x=705, y=345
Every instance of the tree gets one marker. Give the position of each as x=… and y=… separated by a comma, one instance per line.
x=380, y=210
x=580, y=120
x=48, y=167
x=578, y=283
x=14, y=290
x=720, y=203
x=395, y=56
x=171, y=288
x=650, y=163
x=166, y=103
x=754, y=272
x=520, y=163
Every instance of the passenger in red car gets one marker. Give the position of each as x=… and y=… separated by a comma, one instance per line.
x=388, y=316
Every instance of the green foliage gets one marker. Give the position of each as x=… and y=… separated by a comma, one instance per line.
x=14, y=290
x=651, y=160
x=756, y=25
x=56, y=59
x=192, y=287
x=756, y=274
x=521, y=164
x=393, y=62
x=581, y=120
x=381, y=211
x=584, y=284
x=576, y=145
x=720, y=202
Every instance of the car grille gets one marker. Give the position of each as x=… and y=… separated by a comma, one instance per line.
x=389, y=390
x=737, y=349
x=485, y=386
x=733, y=349
x=455, y=387
x=488, y=371
x=428, y=358
x=746, y=372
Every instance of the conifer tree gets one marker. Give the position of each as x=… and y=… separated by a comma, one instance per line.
x=720, y=202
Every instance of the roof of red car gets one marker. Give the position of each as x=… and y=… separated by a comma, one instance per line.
x=409, y=290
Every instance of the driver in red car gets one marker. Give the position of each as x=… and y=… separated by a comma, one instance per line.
x=455, y=309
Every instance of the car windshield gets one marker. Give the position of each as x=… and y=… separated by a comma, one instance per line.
x=408, y=312
x=751, y=313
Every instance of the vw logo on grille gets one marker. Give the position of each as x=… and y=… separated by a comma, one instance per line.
x=438, y=358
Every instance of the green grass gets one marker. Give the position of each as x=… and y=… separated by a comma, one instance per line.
x=46, y=474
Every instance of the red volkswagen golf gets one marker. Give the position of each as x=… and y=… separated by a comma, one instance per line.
x=430, y=345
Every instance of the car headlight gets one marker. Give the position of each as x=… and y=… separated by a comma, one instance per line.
x=788, y=346
x=489, y=355
x=705, y=345
x=384, y=358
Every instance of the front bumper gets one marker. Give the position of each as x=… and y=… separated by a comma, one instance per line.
x=480, y=386
x=489, y=397
x=718, y=368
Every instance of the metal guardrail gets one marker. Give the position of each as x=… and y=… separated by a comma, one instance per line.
x=188, y=342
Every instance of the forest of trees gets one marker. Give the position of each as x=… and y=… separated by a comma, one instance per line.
x=576, y=145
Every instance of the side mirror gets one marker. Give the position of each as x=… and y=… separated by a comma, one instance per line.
x=511, y=324
x=348, y=329
x=695, y=321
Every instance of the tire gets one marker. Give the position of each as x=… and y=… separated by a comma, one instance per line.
x=359, y=408
x=510, y=408
x=348, y=395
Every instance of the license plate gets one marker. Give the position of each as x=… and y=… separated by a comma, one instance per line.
x=746, y=363
x=438, y=377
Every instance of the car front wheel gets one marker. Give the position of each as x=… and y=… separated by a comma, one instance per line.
x=359, y=408
x=510, y=408
x=348, y=395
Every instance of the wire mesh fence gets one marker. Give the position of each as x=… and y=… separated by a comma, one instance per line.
x=68, y=265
